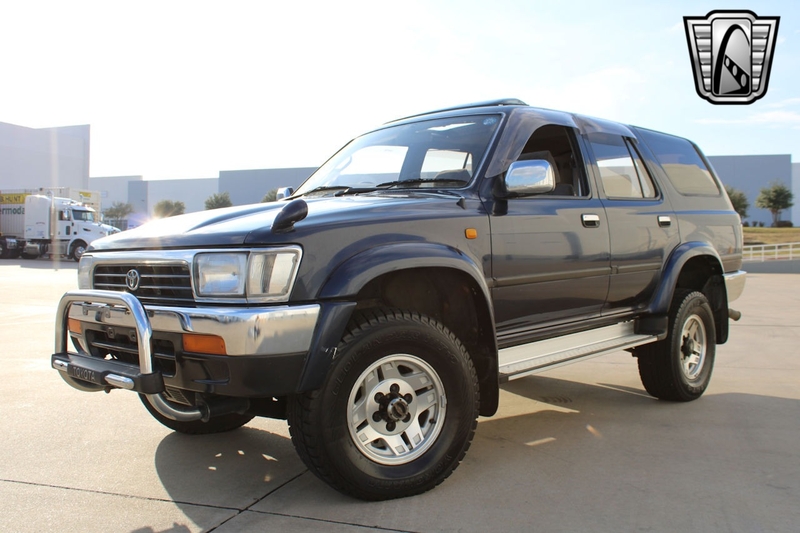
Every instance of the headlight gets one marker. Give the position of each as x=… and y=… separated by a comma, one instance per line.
x=272, y=275
x=261, y=276
x=85, y=272
x=221, y=274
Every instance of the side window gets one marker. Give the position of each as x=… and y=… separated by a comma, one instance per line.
x=622, y=172
x=648, y=187
x=560, y=144
x=680, y=160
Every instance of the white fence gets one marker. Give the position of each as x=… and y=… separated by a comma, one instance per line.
x=770, y=252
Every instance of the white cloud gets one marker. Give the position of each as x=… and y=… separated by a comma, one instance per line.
x=678, y=27
x=782, y=103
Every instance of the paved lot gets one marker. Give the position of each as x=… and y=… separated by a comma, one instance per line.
x=581, y=448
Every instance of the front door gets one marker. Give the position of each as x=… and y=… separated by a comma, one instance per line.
x=550, y=252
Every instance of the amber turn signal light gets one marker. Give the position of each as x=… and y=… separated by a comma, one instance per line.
x=209, y=344
x=74, y=326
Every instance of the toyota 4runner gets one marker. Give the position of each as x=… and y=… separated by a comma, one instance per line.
x=380, y=306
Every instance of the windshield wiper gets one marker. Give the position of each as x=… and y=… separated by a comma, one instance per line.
x=326, y=189
x=341, y=190
x=417, y=181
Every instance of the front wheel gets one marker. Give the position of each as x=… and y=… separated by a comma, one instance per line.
x=397, y=411
x=77, y=250
x=679, y=367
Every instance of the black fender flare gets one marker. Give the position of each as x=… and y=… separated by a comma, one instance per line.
x=681, y=255
x=348, y=278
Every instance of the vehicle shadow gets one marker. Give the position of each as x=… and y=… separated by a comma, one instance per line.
x=230, y=470
x=629, y=458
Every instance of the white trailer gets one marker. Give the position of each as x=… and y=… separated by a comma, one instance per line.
x=32, y=225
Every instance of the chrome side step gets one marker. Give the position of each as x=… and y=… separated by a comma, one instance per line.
x=519, y=361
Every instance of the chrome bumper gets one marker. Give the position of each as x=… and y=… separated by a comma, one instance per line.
x=265, y=331
x=734, y=284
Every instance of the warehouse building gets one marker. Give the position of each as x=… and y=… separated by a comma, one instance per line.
x=59, y=157
x=44, y=157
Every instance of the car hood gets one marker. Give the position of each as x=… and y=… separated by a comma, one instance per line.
x=252, y=224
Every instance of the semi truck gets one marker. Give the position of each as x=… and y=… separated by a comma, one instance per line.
x=33, y=225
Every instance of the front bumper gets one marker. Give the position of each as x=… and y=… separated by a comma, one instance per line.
x=264, y=349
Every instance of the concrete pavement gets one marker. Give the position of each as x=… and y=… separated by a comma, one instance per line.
x=580, y=448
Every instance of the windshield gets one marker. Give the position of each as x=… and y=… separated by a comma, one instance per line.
x=86, y=216
x=439, y=153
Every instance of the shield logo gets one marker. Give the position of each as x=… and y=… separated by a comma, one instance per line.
x=132, y=279
x=731, y=53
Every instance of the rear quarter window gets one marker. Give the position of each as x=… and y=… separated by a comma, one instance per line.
x=680, y=160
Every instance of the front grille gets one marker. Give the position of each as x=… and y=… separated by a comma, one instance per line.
x=119, y=344
x=159, y=284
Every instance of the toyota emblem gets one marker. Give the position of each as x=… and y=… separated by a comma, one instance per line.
x=132, y=279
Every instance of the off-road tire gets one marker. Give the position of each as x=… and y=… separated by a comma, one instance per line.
x=411, y=356
x=217, y=424
x=679, y=367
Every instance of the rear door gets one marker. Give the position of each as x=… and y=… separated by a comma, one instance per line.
x=641, y=223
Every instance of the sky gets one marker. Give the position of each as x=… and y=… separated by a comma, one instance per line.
x=184, y=89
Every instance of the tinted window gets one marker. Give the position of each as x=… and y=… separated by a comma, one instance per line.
x=683, y=165
x=648, y=187
x=557, y=144
x=618, y=173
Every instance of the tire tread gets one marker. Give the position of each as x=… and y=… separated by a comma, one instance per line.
x=655, y=360
x=302, y=409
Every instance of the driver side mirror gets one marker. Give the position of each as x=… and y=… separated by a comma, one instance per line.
x=530, y=177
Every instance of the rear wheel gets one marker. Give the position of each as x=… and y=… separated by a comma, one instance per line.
x=679, y=367
x=217, y=424
x=397, y=411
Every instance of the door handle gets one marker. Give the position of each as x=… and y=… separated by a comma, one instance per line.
x=590, y=220
x=664, y=221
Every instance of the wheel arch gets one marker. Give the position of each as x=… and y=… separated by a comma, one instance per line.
x=696, y=266
x=435, y=280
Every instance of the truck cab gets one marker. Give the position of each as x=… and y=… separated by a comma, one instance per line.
x=67, y=224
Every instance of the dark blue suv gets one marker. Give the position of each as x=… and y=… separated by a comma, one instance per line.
x=379, y=307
